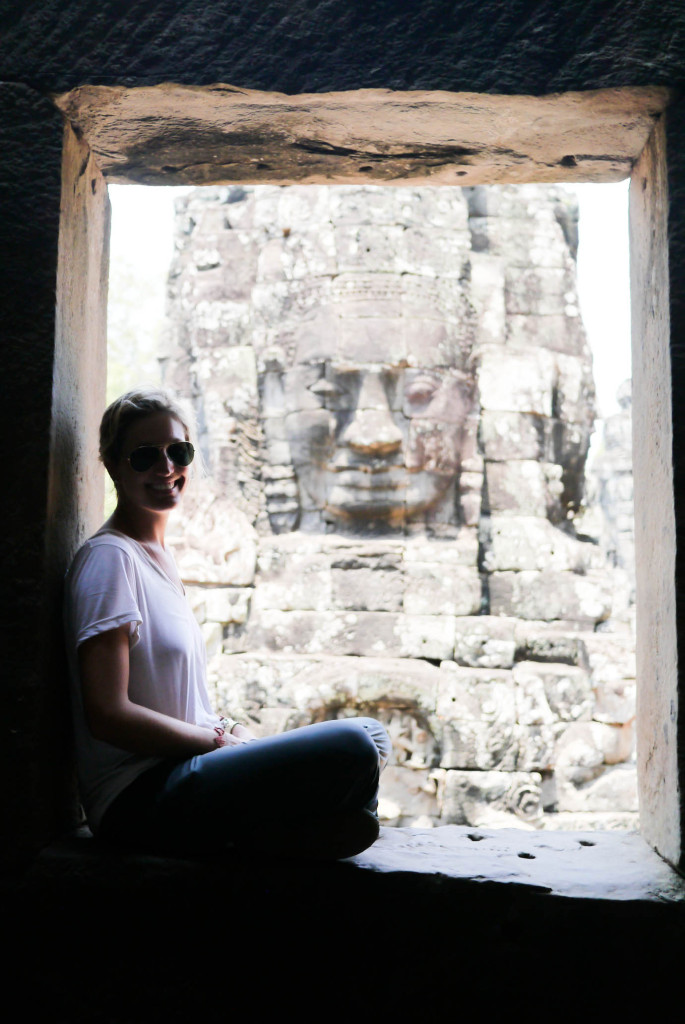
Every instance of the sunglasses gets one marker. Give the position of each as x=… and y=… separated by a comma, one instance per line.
x=181, y=453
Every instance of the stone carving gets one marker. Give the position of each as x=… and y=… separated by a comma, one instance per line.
x=395, y=399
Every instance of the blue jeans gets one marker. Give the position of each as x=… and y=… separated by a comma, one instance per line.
x=312, y=791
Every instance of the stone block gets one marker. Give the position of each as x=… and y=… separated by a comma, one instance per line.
x=430, y=342
x=487, y=295
x=424, y=636
x=397, y=682
x=462, y=549
x=227, y=604
x=427, y=251
x=433, y=589
x=514, y=381
x=584, y=748
x=531, y=542
x=513, y=435
x=480, y=745
x=551, y=595
x=534, y=642
x=406, y=795
x=536, y=747
x=520, y=487
x=546, y=693
x=372, y=634
x=303, y=583
x=217, y=544
x=484, y=641
x=539, y=290
x=367, y=589
x=615, y=702
x=373, y=340
x=305, y=687
x=475, y=695
x=373, y=248
x=491, y=798
x=556, y=332
x=213, y=636
x=196, y=600
x=575, y=391
x=614, y=790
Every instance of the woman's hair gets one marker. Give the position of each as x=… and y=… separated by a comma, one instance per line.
x=134, y=405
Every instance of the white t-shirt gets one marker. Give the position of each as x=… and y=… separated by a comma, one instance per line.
x=112, y=582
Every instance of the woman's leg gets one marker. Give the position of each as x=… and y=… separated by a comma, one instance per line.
x=309, y=791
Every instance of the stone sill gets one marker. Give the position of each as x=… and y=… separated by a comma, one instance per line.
x=605, y=866
x=450, y=919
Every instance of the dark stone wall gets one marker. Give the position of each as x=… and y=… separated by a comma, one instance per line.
x=517, y=46
x=50, y=46
x=34, y=716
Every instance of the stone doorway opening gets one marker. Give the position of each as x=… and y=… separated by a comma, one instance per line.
x=322, y=334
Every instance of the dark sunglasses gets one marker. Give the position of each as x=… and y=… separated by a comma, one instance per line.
x=181, y=453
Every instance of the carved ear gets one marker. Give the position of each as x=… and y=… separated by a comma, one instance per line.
x=281, y=489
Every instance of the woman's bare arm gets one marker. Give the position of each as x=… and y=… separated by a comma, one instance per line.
x=113, y=718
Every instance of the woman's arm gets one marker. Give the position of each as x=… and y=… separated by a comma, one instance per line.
x=113, y=718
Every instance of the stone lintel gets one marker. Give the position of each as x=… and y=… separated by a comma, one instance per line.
x=173, y=134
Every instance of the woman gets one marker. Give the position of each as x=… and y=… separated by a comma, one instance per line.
x=157, y=768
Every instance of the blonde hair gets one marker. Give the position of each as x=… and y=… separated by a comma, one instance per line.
x=134, y=405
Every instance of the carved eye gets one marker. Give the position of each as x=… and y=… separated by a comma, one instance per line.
x=421, y=391
x=326, y=390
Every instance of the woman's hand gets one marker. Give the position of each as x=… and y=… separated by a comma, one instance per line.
x=239, y=734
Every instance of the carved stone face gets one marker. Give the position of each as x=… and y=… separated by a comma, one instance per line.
x=374, y=440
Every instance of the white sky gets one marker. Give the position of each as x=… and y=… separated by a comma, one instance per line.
x=142, y=233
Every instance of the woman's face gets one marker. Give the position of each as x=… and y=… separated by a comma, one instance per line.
x=160, y=488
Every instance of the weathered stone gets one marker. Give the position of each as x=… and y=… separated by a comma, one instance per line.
x=213, y=636
x=426, y=636
x=537, y=290
x=547, y=693
x=516, y=381
x=615, y=788
x=475, y=695
x=397, y=682
x=484, y=641
x=218, y=545
x=367, y=589
x=461, y=550
x=226, y=604
x=534, y=643
x=248, y=135
x=364, y=633
x=513, y=435
x=405, y=510
x=524, y=487
x=584, y=748
x=547, y=596
x=536, y=747
x=433, y=589
x=561, y=333
x=481, y=745
x=493, y=797
x=531, y=542
x=407, y=795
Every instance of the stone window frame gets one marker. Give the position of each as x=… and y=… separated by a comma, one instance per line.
x=78, y=395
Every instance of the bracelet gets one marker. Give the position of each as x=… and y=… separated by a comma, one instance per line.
x=229, y=724
x=219, y=739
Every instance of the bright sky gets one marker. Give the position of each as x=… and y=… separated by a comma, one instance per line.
x=142, y=233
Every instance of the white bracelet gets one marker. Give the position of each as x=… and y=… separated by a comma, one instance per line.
x=229, y=724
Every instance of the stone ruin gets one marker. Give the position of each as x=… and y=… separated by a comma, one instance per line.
x=395, y=403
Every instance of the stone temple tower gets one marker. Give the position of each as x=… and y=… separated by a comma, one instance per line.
x=395, y=401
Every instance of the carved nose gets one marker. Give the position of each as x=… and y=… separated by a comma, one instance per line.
x=372, y=429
